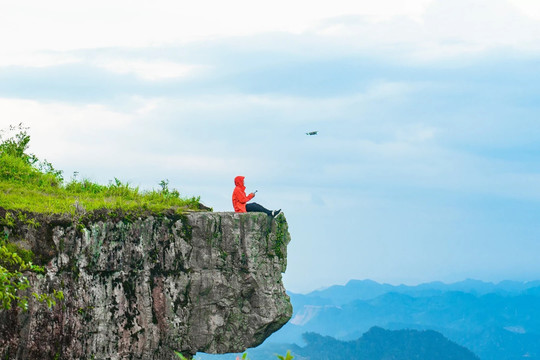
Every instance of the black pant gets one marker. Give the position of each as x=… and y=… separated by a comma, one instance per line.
x=254, y=207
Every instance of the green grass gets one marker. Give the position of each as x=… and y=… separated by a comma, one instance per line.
x=29, y=185
x=47, y=199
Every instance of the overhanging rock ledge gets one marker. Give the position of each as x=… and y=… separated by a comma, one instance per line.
x=144, y=287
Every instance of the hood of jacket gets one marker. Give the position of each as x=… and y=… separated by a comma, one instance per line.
x=239, y=181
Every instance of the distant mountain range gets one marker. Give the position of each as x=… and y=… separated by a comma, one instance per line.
x=495, y=321
x=376, y=344
x=368, y=289
x=380, y=344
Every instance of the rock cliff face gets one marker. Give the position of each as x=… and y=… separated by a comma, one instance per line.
x=144, y=287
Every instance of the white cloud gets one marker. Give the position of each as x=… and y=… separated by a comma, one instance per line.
x=37, y=59
x=481, y=22
x=445, y=29
x=148, y=70
x=530, y=8
x=419, y=29
x=66, y=25
x=158, y=70
x=416, y=133
x=60, y=130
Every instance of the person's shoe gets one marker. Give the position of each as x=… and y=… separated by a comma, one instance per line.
x=276, y=212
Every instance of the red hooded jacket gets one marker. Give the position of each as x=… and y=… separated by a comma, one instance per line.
x=239, y=198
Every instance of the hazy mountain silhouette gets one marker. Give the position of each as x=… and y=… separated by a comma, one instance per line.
x=368, y=289
x=495, y=321
x=375, y=344
x=380, y=344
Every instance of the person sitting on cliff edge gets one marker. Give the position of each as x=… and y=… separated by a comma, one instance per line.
x=240, y=199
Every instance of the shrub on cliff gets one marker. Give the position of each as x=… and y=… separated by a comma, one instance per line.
x=14, y=270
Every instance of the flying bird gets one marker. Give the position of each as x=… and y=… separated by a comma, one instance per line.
x=312, y=133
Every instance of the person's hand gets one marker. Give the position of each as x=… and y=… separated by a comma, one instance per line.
x=252, y=194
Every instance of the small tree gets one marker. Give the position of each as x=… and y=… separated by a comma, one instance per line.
x=15, y=141
x=16, y=145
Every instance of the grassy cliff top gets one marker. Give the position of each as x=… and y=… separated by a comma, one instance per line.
x=31, y=185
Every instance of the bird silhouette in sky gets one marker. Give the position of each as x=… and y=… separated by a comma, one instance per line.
x=312, y=133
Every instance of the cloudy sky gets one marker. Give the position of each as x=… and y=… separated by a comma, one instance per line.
x=426, y=166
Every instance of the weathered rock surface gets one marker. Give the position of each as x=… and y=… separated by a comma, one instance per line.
x=142, y=288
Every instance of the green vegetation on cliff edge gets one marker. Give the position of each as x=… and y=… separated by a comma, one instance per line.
x=30, y=185
x=36, y=186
